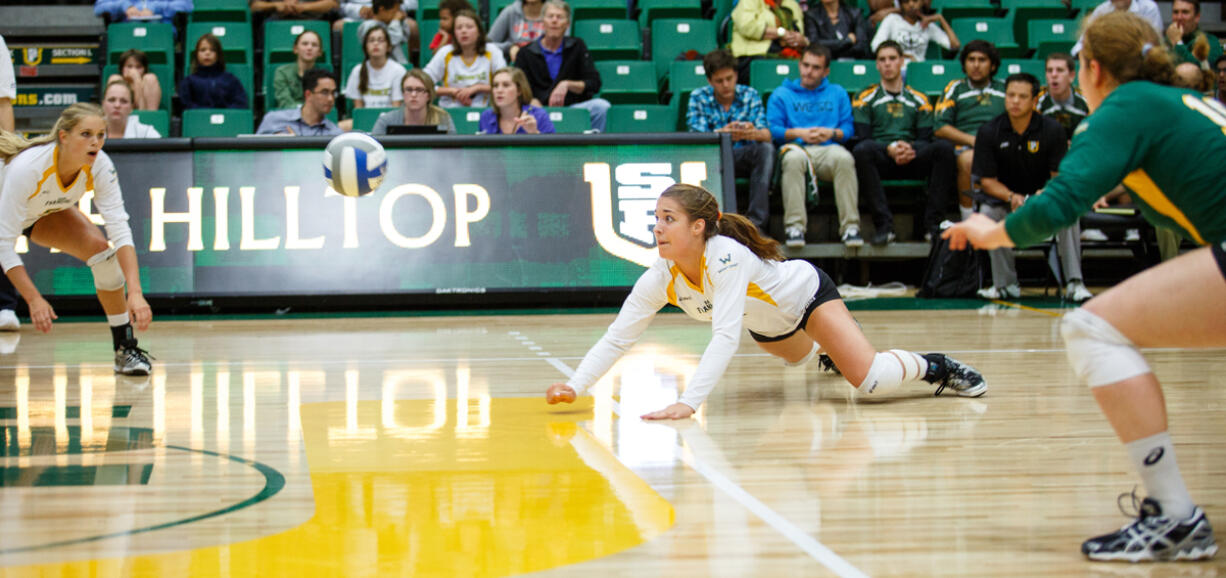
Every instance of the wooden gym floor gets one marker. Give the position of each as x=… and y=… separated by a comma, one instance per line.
x=416, y=446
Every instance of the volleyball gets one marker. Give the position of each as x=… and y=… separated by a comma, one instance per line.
x=354, y=164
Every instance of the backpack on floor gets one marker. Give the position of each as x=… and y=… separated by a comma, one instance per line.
x=952, y=274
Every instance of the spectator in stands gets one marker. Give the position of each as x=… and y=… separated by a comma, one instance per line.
x=894, y=130
x=766, y=27
x=1059, y=99
x=447, y=9
x=840, y=28
x=809, y=119
x=375, y=83
x=1146, y=9
x=8, y=93
x=146, y=10
x=725, y=106
x=560, y=69
x=512, y=111
x=209, y=85
x=418, y=110
x=117, y=108
x=462, y=71
x=914, y=30
x=319, y=91
x=879, y=9
x=134, y=68
x=388, y=15
x=965, y=105
x=1184, y=34
x=1015, y=154
x=287, y=80
x=1219, y=66
x=292, y=10
x=518, y=25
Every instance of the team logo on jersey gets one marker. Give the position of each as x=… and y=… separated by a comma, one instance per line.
x=624, y=203
x=725, y=259
x=1032, y=146
x=894, y=109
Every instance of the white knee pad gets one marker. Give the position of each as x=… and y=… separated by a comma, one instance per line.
x=805, y=359
x=887, y=372
x=1098, y=352
x=108, y=276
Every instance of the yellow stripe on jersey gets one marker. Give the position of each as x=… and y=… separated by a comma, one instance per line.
x=925, y=104
x=46, y=174
x=89, y=177
x=675, y=270
x=1140, y=182
x=757, y=293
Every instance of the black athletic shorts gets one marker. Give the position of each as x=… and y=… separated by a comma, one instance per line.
x=1219, y=253
x=826, y=291
x=28, y=230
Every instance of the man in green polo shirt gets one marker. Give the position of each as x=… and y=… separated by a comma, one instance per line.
x=1059, y=99
x=965, y=106
x=1184, y=32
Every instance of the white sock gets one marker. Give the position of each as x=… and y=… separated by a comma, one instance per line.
x=118, y=320
x=1154, y=459
x=966, y=212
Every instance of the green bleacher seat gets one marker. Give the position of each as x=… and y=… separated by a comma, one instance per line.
x=496, y=7
x=158, y=119
x=1085, y=7
x=952, y=9
x=426, y=28
x=684, y=77
x=854, y=75
x=998, y=31
x=642, y=118
x=766, y=75
x=569, y=120
x=1048, y=36
x=467, y=119
x=220, y=11
x=628, y=82
x=598, y=9
x=671, y=37
x=155, y=39
x=1015, y=65
x=165, y=76
x=652, y=10
x=931, y=76
x=217, y=122
x=1023, y=11
x=246, y=77
x=235, y=37
x=428, y=9
x=611, y=39
x=364, y=118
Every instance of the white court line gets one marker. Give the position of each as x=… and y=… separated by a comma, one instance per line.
x=815, y=549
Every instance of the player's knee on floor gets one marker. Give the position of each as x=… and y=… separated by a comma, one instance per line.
x=888, y=372
x=805, y=359
x=108, y=275
x=1099, y=353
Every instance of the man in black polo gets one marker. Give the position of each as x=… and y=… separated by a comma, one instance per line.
x=1015, y=155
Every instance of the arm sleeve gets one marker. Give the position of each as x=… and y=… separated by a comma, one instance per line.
x=281, y=87
x=112, y=8
x=984, y=163
x=238, y=94
x=186, y=97
x=18, y=182
x=591, y=76
x=777, y=117
x=923, y=123
x=380, y=127
x=353, y=10
x=946, y=111
x=397, y=82
x=1151, y=13
x=448, y=124
x=543, y=124
x=731, y=284
x=497, y=61
x=351, y=84
x=845, y=120
x=109, y=200
x=695, y=119
x=647, y=297
x=938, y=35
x=883, y=32
x=500, y=32
x=1105, y=148
x=434, y=68
x=167, y=10
x=750, y=19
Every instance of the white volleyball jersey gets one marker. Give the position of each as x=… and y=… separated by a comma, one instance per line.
x=30, y=189
x=735, y=289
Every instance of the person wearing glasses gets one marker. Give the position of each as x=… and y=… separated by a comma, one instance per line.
x=311, y=119
x=418, y=90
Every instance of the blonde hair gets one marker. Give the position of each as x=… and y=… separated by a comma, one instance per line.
x=117, y=80
x=521, y=84
x=11, y=144
x=1128, y=48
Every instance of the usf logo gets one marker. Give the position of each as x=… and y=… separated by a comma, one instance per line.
x=623, y=217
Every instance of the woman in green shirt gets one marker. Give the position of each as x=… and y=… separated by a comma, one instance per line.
x=1166, y=144
x=287, y=80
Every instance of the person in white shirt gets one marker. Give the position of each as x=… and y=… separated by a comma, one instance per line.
x=463, y=70
x=117, y=105
x=717, y=267
x=375, y=83
x=43, y=180
x=8, y=93
x=913, y=30
x=1146, y=9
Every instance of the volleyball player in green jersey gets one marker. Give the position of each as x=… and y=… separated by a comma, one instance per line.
x=1166, y=145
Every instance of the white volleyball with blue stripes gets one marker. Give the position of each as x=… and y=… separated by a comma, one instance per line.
x=354, y=164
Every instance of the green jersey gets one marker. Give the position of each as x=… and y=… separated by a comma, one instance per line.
x=903, y=116
x=967, y=108
x=1069, y=114
x=1165, y=144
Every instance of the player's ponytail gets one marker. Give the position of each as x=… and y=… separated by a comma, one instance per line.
x=11, y=144
x=1128, y=48
x=699, y=203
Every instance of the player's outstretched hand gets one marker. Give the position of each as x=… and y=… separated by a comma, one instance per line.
x=559, y=393
x=41, y=314
x=141, y=314
x=674, y=411
x=978, y=230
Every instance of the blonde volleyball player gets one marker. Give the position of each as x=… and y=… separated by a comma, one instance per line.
x=1167, y=145
x=718, y=268
x=42, y=181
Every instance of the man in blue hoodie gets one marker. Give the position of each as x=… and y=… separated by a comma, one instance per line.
x=808, y=119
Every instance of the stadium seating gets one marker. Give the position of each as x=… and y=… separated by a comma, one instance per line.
x=642, y=118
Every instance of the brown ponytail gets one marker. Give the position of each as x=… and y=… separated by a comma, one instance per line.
x=699, y=203
x=1127, y=47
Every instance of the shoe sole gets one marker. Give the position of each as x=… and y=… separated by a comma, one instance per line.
x=976, y=391
x=1189, y=555
x=140, y=372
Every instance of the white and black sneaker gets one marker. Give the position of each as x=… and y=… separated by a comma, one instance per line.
x=946, y=371
x=827, y=365
x=132, y=360
x=1155, y=538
